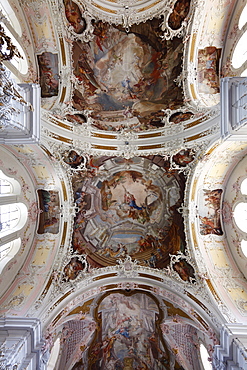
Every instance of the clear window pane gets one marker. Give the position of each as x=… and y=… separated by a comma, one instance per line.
x=205, y=356
x=9, y=217
x=244, y=186
x=240, y=52
x=54, y=355
x=244, y=247
x=243, y=18
x=5, y=249
x=244, y=73
x=240, y=216
x=10, y=15
x=5, y=187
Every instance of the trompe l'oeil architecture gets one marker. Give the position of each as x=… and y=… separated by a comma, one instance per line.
x=123, y=191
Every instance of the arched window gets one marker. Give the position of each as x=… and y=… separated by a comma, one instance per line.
x=244, y=247
x=13, y=216
x=240, y=52
x=54, y=355
x=205, y=357
x=243, y=187
x=5, y=186
x=12, y=28
x=9, y=14
x=19, y=64
x=242, y=18
x=240, y=216
x=234, y=53
x=10, y=215
x=8, y=251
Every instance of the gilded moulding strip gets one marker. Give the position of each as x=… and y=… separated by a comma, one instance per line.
x=103, y=8
x=148, y=6
x=61, y=138
x=61, y=124
x=192, y=48
x=65, y=195
x=193, y=124
x=151, y=277
x=213, y=291
x=191, y=296
x=193, y=191
x=63, y=51
x=193, y=93
x=59, y=301
x=103, y=136
x=63, y=95
x=193, y=229
x=110, y=287
x=65, y=227
x=197, y=136
x=145, y=147
x=104, y=276
x=146, y=136
x=102, y=147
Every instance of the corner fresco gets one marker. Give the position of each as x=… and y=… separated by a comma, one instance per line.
x=180, y=117
x=184, y=270
x=184, y=157
x=127, y=208
x=74, y=16
x=127, y=79
x=77, y=119
x=179, y=13
x=73, y=159
x=72, y=269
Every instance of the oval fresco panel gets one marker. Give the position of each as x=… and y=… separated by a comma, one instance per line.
x=180, y=12
x=127, y=79
x=74, y=16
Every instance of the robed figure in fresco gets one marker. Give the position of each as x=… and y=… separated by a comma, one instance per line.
x=128, y=335
x=127, y=208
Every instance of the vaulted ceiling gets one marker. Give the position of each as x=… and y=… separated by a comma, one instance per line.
x=131, y=224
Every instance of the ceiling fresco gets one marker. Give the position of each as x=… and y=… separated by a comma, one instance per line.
x=130, y=329
x=124, y=70
x=127, y=79
x=210, y=221
x=117, y=269
x=128, y=336
x=128, y=208
x=49, y=211
x=49, y=78
x=208, y=70
x=74, y=16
